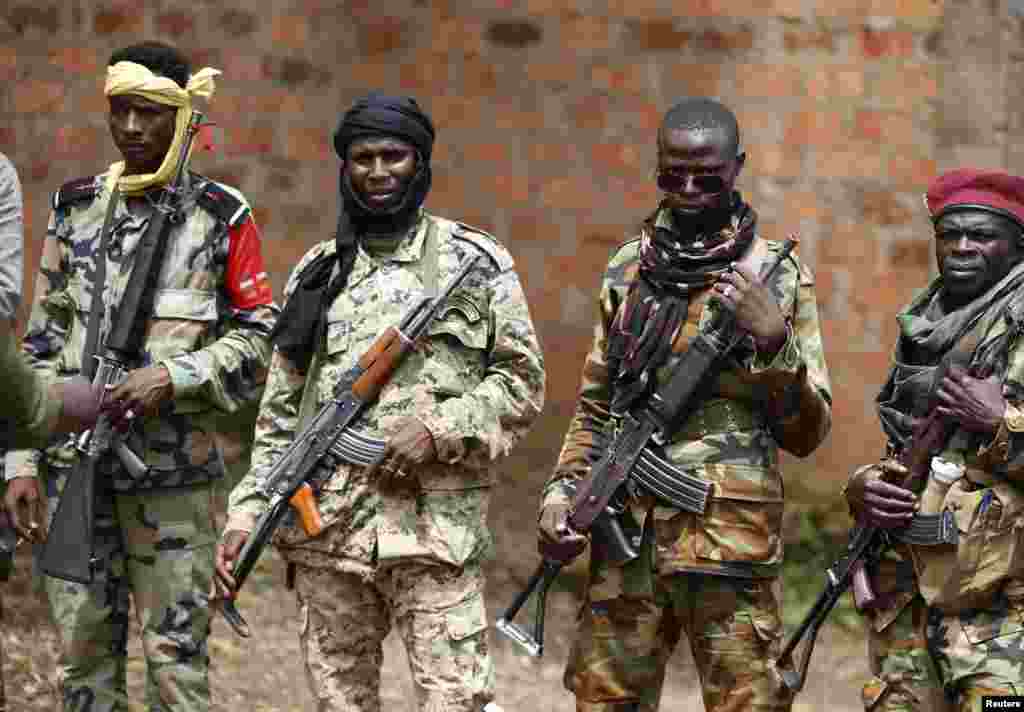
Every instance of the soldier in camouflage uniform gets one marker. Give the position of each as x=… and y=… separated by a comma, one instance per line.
x=713, y=576
x=404, y=541
x=34, y=409
x=205, y=355
x=949, y=625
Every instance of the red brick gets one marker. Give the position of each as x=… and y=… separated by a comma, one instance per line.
x=883, y=207
x=281, y=102
x=552, y=72
x=847, y=244
x=461, y=34
x=509, y=117
x=504, y=189
x=836, y=81
x=290, y=31
x=637, y=9
x=774, y=160
x=8, y=63
x=587, y=33
x=886, y=43
x=618, y=157
x=769, y=80
x=527, y=227
x=905, y=86
x=451, y=113
x=619, y=77
x=544, y=154
x=652, y=35
x=853, y=159
x=487, y=153
x=758, y=125
x=308, y=144
x=31, y=18
x=695, y=79
x=378, y=74
x=907, y=172
x=75, y=60
x=916, y=254
x=815, y=128
x=846, y=9
x=243, y=67
x=917, y=12
x=633, y=197
x=38, y=97
x=237, y=23
x=243, y=141
x=819, y=38
x=119, y=19
x=726, y=40
x=176, y=23
x=576, y=192
x=79, y=143
x=892, y=127
x=382, y=34
x=427, y=73
x=479, y=76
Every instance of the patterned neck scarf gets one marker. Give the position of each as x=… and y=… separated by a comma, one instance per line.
x=650, y=319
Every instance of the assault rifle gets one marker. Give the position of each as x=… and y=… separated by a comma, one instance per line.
x=69, y=549
x=598, y=498
x=317, y=451
x=868, y=543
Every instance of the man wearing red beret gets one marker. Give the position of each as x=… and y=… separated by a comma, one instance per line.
x=948, y=625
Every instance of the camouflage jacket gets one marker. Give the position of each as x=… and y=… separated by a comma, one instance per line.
x=476, y=383
x=211, y=320
x=987, y=503
x=731, y=439
x=29, y=414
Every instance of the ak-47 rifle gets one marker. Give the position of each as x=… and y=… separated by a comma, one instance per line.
x=69, y=549
x=867, y=543
x=597, y=497
x=329, y=439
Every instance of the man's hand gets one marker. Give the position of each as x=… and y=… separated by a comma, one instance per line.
x=973, y=404
x=878, y=503
x=556, y=540
x=79, y=404
x=140, y=394
x=411, y=447
x=26, y=507
x=228, y=549
x=741, y=292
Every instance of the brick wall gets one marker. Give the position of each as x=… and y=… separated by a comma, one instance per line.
x=547, y=112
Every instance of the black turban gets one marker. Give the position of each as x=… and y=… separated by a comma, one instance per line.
x=377, y=115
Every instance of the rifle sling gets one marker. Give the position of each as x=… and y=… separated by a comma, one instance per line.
x=92, y=334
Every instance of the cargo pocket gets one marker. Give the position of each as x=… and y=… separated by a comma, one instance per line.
x=456, y=348
x=182, y=319
x=988, y=625
x=989, y=533
x=466, y=619
x=742, y=523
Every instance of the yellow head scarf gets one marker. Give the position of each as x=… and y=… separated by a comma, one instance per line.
x=133, y=78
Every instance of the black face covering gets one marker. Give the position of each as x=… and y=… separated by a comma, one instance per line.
x=377, y=115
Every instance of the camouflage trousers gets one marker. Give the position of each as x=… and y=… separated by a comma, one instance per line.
x=439, y=612
x=904, y=678
x=928, y=661
x=158, y=547
x=633, y=618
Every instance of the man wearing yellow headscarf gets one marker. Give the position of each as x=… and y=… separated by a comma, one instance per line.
x=205, y=356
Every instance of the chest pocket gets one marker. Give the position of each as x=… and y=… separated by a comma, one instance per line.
x=456, y=347
x=183, y=320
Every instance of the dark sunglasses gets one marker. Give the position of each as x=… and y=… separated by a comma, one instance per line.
x=674, y=182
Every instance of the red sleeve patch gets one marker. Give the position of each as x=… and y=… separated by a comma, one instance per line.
x=247, y=282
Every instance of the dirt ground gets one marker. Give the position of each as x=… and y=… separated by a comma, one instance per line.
x=265, y=673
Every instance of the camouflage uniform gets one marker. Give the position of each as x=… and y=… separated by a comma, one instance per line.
x=632, y=617
x=29, y=414
x=476, y=383
x=212, y=316
x=965, y=638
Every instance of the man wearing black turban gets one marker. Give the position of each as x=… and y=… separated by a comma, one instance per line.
x=404, y=540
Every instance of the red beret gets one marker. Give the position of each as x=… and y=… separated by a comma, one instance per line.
x=999, y=192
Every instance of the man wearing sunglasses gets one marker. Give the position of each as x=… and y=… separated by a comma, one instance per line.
x=710, y=575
